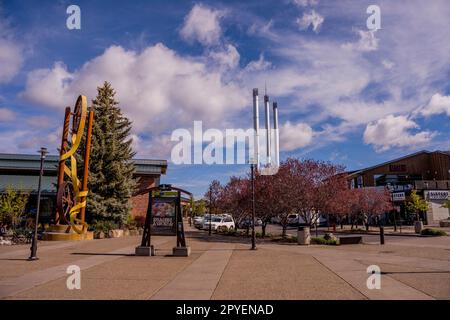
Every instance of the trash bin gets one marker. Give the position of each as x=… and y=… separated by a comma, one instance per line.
x=303, y=236
x=418, y=226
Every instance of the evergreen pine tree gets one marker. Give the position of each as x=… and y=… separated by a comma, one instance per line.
x=111, y=182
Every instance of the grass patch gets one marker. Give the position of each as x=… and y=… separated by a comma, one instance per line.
x=433, y=232
x=321, y=240
x=287, y=239
x=259, y=235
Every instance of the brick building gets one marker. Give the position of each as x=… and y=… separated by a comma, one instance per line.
x=21, y=171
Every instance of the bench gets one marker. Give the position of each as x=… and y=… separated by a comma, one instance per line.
x=350, y=240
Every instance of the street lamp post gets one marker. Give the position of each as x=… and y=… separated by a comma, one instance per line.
x=33, y=248
x=252, y=167
x=210, y=209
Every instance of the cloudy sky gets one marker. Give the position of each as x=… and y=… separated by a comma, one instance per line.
x=345, y=94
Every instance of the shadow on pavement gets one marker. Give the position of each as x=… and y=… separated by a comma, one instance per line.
x=412, y=272
x=102, y=254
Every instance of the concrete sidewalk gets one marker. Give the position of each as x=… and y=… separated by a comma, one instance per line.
x=222, y=269
x=200, y=279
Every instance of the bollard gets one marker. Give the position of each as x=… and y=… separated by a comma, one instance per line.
x=381, y=235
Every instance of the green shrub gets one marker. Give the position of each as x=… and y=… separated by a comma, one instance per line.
x=433, y=232
x=12, y=206
x=139, y=221
x=288, y=239
x=259, y=235
x=104, y=225
x=321, y=240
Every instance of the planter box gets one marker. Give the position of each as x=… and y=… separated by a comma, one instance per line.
x=117, y=233
x=350, y=240
x=134, y=233
x=99, y=235
x=444, y=223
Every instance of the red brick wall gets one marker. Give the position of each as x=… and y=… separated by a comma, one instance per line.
x=140, y=203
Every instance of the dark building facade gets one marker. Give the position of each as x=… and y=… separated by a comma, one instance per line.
x=21, y=171
x=425, y=171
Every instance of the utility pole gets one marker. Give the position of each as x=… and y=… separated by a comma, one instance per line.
x=210, y=209
x=252, y=167
x=33, y=248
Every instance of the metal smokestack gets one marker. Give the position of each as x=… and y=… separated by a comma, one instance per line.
x=268, y=131
x=256, y=126
x=277, y=136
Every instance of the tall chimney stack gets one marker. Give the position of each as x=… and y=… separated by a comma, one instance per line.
x=268, y=131
x=276, y=132
x=256, y=126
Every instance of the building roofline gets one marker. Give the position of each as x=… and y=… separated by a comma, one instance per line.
x=54, y=158
x=394, y=160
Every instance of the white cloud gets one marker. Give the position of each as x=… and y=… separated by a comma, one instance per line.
x=7, y=115
x=387, y=64
x=305, y=3
x=311, y=18
x=437, y=105
x=158, y=89
x=19, y=139
x=295, y=136
x=49, y=87
x=324, y=77
x=227, y=57
x=202, y=24
x=367, y=42
x=261, y=28
x=11, y=52
x=257, y=65
x=395, y=131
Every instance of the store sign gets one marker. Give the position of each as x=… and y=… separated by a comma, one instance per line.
x=438, y=194
x=398, y=196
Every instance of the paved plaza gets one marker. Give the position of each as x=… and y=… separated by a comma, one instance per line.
x=221, y=267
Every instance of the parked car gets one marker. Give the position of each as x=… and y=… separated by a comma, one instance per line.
x=247, y=222
x=292, y=219
x=198, y=222
x=219, y=223
x=275, y=220
x=296, y=219
x=322, y=221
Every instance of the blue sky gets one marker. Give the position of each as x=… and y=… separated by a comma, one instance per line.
x=346, y=94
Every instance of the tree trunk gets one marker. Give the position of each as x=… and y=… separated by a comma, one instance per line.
x=263, y=227
x=283, y=235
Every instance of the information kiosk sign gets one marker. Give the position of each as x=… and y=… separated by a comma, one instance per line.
x=164, y=218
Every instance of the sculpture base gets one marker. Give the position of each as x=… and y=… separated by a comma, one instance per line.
x=61, y=232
